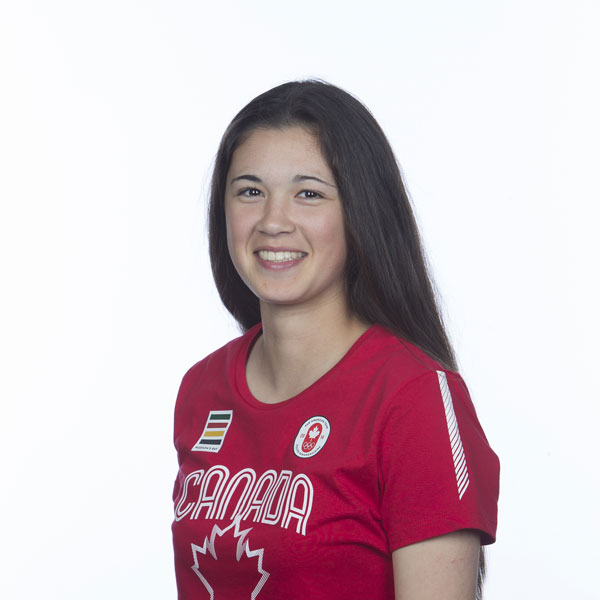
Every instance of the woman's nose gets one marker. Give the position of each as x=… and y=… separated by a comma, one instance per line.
x=276, y=217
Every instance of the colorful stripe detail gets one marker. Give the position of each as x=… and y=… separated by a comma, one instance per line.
x=216, y=427
x=458, y=453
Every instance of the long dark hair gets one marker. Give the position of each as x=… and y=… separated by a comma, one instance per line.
x=387, y=279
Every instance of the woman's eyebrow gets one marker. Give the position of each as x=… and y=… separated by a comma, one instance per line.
x=248, y=177
x=298, y=178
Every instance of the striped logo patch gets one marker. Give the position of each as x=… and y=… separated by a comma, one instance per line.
x=216, y=427
x=458, y=453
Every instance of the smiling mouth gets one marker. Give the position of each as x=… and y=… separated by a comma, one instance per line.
x=280, y=256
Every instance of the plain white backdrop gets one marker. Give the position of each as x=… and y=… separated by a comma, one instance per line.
x=110, y=116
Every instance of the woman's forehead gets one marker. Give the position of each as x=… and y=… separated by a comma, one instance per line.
x=283, y=152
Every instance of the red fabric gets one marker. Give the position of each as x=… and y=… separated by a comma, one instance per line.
x=275, y=513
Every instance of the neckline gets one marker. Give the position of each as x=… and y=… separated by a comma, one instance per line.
x=242, y=357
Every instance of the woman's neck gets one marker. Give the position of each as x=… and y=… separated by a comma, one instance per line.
x=297, y=347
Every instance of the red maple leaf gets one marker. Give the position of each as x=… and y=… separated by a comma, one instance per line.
x=222, y=588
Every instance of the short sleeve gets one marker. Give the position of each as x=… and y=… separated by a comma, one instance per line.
x=182, y=415
x=438, y=473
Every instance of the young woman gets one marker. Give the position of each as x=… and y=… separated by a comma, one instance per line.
x=332, y=451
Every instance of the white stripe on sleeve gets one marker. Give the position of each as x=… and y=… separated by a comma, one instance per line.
x=458, y=453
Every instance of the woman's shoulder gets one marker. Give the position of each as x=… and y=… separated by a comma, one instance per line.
x=409, y=381
x=220, y=359
x=393, y=357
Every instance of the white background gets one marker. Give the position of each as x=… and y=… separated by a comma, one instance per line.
x=110, y=115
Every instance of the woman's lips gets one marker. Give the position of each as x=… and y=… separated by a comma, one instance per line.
x=280, y=255
x=279, y=259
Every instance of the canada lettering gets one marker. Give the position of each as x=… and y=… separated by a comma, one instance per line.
x=273, y=498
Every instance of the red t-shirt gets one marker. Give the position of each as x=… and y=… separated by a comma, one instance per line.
x=307, y=498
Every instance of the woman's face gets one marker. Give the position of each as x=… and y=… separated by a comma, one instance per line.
x=285, y=228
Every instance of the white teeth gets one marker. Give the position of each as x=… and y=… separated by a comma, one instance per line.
x=280, y=256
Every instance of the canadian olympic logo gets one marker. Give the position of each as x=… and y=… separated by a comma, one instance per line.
x=311, y=437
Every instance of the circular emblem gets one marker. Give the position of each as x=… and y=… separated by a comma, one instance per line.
x=312, y=437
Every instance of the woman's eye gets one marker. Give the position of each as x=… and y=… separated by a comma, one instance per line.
x=250, y=192
x=309, y=195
